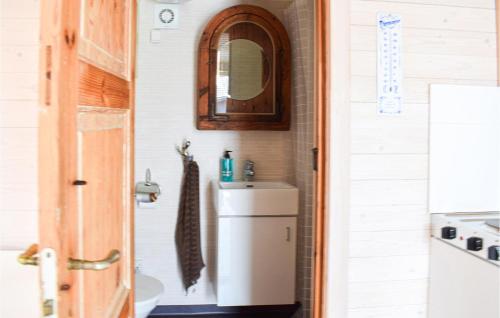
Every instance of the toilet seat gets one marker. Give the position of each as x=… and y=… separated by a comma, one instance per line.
x=147, y=288
x=147, y=294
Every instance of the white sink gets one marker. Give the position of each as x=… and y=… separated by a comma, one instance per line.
x=256, y=198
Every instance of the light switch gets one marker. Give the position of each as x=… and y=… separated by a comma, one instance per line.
x=155, y=36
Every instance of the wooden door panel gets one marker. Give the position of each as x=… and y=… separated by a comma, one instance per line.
x=103, y=205
x=104, y=34
x=100, y=88
x=86, y=133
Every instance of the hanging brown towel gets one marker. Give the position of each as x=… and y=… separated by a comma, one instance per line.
x=187, y=234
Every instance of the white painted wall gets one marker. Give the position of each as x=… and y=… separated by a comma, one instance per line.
x=166, y=108
x=18, y=154
x=444, y=41
x=18, y=122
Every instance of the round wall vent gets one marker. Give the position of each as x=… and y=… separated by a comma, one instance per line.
x=166, y=16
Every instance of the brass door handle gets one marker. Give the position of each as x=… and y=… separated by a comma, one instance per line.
x=99, y=265
x=28, y=257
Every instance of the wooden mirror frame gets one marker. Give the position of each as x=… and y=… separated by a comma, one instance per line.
x=207, y=118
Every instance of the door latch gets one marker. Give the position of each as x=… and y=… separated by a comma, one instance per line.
x=48, y=273
x=48, y=307
x=315, y=152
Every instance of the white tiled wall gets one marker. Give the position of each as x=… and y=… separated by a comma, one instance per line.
x=166, y=108
x=299, y=18
x=444, y=41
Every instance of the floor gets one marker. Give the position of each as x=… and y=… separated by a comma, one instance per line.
x=256, y=315
x=213, y=311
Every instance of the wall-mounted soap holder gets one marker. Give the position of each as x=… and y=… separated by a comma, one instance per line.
x=147, y=191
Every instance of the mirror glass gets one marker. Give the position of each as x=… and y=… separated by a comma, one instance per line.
x=242, y=71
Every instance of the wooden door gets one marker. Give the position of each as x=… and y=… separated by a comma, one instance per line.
x=86, y=155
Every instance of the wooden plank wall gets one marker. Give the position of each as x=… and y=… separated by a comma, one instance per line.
x=19, y=25
x=444, y=41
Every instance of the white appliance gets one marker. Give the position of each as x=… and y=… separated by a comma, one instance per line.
x=464, y=199
x=256, y=243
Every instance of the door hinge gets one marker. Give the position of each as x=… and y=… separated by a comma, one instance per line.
x=315, y=152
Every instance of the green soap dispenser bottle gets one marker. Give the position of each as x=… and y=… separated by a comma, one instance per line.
x=226, y=167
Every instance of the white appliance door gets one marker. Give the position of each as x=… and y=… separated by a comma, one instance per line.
x=462, y=285
x=256, y=261
x=464, y=162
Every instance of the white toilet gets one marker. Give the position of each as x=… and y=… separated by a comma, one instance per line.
x=147, y=294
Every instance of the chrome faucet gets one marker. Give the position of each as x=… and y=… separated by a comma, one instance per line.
x=248, y=170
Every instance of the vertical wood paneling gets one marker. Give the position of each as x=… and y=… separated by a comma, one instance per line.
x=444, y=41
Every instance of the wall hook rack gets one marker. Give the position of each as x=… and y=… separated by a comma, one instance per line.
x=183, y=151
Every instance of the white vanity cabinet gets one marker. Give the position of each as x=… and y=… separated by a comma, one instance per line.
x=256, y=252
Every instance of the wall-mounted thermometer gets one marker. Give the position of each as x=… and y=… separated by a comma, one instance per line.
x=389, y=72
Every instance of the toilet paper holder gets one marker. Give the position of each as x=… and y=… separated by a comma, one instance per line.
x=147, y=191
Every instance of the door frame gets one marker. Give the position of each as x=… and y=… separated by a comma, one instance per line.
x=321, y=101
x=332, y=180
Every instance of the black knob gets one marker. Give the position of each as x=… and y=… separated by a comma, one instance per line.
x=494, y=253
x=448, y=232
x=474, y=243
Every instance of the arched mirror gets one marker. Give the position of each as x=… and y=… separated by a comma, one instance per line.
x=244, y=72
